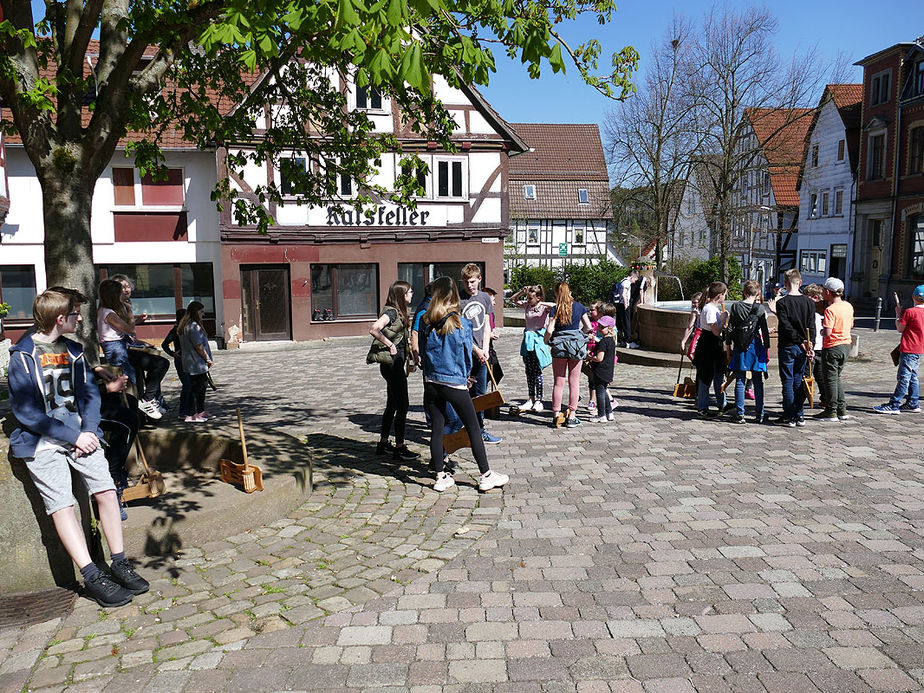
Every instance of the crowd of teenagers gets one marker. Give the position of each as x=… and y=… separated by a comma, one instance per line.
x=814, y=326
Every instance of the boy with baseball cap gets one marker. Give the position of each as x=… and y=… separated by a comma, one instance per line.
x=910, y=323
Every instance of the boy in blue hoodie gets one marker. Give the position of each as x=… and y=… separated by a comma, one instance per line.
x=56, y=403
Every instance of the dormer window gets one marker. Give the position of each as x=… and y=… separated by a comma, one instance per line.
x=583, y=197
x=529, y=192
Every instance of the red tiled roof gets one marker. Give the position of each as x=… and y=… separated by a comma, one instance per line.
x=783, y=180
x=557, y=152
x=781, y=133
x=848, y=98
x=561, y=160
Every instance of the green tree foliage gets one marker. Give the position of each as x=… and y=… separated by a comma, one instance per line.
x=213, y=70
x=588, y=283
x=696, y=275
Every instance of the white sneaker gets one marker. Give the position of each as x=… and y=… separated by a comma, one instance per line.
x=149, y=407
x=537, y=405
x=610, y=417
x=614, y=403
x=633, y=345
x=491, y=480
x=444, y=481
x=597, y=419
x=526, y=404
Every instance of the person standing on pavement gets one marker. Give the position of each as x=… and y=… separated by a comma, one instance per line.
x=602, y=363
x=621, y=297
x=447, y=350
x=478, y=308
x=566, y=332
x=835, y=328
x=816, y=293
x=197, y=359
x=533, y=349
x=709, y=358
x=796, y=329
x=910, y=323
x=389, y=349
x=749, y=336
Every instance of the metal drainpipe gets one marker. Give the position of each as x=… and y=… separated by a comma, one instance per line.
x=897, y=153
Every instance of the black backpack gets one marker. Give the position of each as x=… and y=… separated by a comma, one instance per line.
x=743, y=333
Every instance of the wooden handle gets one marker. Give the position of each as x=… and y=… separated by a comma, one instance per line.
x=491, y=373
x=138, y=450
x=240, y=425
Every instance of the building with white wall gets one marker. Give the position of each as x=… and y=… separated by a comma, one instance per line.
x=559, y=197
x=827, y=186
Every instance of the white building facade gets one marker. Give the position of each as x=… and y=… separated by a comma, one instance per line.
x=828, y=186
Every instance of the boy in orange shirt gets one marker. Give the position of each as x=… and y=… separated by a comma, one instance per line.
x=835, y=329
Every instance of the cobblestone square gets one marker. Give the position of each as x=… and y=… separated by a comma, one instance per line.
x=658, y=552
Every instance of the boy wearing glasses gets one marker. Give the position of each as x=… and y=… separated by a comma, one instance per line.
x=56, y=403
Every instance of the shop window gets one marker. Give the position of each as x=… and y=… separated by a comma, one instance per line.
x=917, y=246
x=161, y=289
x=17, y=289
x=813, y=261
x=419, y=274
x=341, y=292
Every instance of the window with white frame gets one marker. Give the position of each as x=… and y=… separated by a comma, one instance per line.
x=880, y=88
x=766, y=183
x=289, y=171
x=813, y=261
x=578, y=233
x=838, y=202
x=813, y=206
x=370, y=99
x=529, y=192
x=532, y=234
x=164, y=192
x=583, y=197
x=841, y=144
x=451, y=179
x=825, y=199
x=421, y=174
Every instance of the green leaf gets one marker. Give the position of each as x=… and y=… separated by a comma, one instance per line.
x=346, y=14
x=397, y=10
x=555, y=59
x=412, y=69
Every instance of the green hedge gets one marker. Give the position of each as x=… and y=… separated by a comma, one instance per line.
x=588, y=283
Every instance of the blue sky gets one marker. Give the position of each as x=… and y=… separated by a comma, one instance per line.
x=854, y=28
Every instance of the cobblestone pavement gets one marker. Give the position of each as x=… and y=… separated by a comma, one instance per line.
x=656, y=553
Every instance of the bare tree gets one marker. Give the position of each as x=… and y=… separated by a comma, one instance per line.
x=734, y=77
x=651, y=136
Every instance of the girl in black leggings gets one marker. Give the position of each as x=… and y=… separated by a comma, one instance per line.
x=390, y=351
x=447, y=361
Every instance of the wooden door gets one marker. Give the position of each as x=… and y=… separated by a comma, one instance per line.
x=266, y=302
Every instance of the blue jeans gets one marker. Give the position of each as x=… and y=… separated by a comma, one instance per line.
x=792, y=360
x=907, y=381
x=758, y=381
x=702, y=392
x=604, y=406
x=117, y=355
x=480, y=374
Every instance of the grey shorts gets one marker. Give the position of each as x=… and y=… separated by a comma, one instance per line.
x=50, y=470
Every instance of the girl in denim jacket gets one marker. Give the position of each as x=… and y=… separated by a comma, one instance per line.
x=447, y=362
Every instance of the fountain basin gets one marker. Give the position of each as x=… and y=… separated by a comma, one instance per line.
x=661, y=325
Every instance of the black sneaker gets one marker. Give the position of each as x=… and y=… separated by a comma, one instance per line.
x=735, y=419
x=782, y=421
x=706, y=414
x=124, y=574
x=762, y=418
x=800, y=421
x=384, y=448
x=107, y=592
x=403, y=453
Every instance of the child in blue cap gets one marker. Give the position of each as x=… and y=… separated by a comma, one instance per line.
x=910, y=323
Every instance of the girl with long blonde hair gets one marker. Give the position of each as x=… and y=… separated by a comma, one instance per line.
x=566, y=333
x=447, y=346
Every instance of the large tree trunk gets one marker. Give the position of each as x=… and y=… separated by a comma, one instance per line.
x=66, y=208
